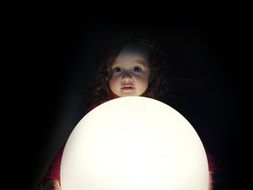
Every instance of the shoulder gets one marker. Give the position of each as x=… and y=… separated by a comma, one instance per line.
x=97, y=103
x=91, y=107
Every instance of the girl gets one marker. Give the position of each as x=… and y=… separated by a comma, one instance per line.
x=132, y=66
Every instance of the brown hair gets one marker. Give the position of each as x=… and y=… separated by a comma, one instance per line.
x=98, y=87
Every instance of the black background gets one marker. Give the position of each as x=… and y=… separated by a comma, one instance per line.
x=52, y=58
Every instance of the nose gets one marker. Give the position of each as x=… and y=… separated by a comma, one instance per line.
x=126, y=76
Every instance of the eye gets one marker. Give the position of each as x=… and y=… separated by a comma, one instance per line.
x=137, y=69
x=116, y=70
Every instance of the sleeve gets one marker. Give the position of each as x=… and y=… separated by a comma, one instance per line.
x=53, y=171
x=211, y=163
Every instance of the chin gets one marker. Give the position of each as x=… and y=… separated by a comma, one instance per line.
x=125, y=95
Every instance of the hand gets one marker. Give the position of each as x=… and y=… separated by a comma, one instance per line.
x=52, y=185
x=211, y=185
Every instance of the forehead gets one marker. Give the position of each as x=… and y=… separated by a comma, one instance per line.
x=131, y=53
x=134, y=49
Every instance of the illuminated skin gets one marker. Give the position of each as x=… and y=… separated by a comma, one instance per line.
x=53, y=185
x=129, y=73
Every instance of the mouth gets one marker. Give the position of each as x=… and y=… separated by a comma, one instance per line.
x=127, y=87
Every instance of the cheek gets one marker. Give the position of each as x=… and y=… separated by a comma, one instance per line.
x=113, y=82
x=145, y=84
x=143, y=81
x=142, y=84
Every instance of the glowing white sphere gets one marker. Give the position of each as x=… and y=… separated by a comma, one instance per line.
x=134, y=143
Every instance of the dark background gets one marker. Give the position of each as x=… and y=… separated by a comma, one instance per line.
x=54, y=57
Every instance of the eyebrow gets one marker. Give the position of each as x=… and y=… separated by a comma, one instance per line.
x=141, y=62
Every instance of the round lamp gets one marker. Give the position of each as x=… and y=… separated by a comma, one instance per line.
x=134, y=143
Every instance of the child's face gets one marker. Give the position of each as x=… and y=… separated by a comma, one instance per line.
x=129, y=73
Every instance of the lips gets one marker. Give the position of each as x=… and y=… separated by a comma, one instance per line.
x=127, y=87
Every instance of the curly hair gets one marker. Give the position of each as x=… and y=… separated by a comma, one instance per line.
x=98, y=87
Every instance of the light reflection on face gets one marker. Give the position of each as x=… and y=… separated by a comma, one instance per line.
x=130, y=73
